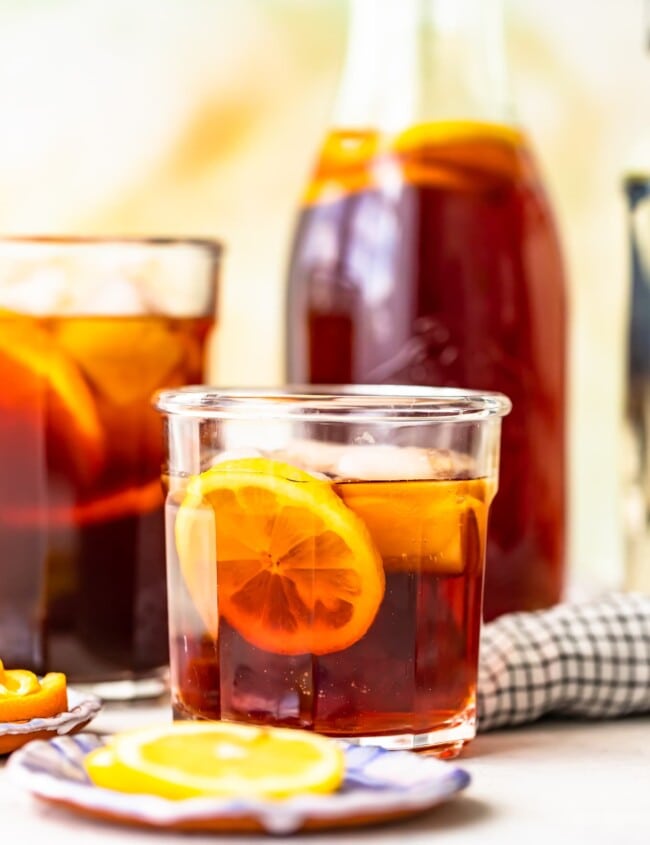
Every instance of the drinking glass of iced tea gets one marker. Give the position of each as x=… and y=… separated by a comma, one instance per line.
x=89, y=329
x=325, y=555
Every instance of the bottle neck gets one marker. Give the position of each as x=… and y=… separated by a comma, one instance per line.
x=419, y=61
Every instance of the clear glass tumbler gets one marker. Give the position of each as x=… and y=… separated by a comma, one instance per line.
x=325, y=557
x=89, y=329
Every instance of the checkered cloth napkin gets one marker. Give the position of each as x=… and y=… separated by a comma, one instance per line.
x=587, y=659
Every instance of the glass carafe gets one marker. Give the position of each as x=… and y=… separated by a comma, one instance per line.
x=426, y=253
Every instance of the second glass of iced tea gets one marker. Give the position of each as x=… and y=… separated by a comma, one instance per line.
x=89, y=329
x=325, y=557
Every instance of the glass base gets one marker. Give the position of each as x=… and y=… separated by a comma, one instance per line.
x=445, y=742
x=128, y=686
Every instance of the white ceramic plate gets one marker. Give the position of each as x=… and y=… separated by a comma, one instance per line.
x=81, y=709
x=379, y=786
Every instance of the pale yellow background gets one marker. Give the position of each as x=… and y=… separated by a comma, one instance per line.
x=202, y=117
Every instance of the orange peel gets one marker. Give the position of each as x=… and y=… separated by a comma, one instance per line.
x=23, y=696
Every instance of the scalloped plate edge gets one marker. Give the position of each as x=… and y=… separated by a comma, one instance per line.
x=82, y=709
x=38, y=768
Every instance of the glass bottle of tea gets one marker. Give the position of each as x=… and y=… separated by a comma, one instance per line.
x=426, y=253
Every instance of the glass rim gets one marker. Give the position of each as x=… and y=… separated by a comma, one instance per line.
x=212, y=245
x=104, y=275
x=334, y=403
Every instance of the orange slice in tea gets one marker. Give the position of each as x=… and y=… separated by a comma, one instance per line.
x=296, y=571
x=193, y=759
x=125, y=359
x=126, y=502
x=37, y=375
x=109, y=349
x=418, y=524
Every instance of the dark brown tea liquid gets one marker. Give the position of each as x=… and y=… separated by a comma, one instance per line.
x=82, y=560
x=413, y=672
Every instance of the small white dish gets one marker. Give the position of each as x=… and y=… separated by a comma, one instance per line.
x=379, y=786
x=81, y=709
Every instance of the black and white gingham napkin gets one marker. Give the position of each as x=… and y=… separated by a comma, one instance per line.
x=587, y=659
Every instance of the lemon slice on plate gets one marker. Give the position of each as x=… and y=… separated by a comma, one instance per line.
x=221, y=759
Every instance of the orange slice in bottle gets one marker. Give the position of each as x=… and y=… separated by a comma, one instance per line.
x=296, y=571
x=192, y=759
x=40, y=382
x=453, y=131
x=461, y=153
x=23, y=696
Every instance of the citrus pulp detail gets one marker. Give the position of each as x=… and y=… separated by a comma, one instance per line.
x=296, y=570
x=193, y=759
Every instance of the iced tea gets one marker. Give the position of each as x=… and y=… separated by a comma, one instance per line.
x=82, y=573
x=330, y=587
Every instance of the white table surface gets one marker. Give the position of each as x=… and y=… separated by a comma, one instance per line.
x=551, y=783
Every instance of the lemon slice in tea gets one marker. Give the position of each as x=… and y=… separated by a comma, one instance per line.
x=297, y=570
x=37, y=375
